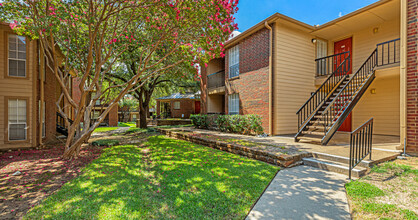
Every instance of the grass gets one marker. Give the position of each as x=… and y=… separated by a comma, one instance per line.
x=161, y=179
x=105, y=142
x=104, y=129
x=385, y=192
x=126, y=124
x=396, y=169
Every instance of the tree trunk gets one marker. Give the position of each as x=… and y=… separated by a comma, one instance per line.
x=142, y=118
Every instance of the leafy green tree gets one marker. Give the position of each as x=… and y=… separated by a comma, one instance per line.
x=127, y=105
x=180, y=78
x=88, y=38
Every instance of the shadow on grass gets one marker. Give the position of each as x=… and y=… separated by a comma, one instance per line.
x=166, y=178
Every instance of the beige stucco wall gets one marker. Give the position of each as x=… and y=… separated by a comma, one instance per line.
x=364, y=41
x=17, y=88
x=215, y=103
x=215, y=65
x=383, y=106
x=293, y=79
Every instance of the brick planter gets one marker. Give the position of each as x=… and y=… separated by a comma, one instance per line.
x=279, y=159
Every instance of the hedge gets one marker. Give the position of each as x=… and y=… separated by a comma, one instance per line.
x=241, y=124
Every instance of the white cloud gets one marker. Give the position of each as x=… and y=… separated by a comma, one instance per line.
x=340, y=14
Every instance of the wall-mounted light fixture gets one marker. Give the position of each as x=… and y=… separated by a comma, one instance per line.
x=375, y=30
x=313, y=40
x=373, y=91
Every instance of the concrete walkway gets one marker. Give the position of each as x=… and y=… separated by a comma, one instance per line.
x=303, y=192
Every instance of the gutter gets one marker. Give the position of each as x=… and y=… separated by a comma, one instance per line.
x=270, y=77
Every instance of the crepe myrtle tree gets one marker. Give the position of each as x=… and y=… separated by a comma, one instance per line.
x=88, y=37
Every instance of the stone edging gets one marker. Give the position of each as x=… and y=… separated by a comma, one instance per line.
x=282, y=160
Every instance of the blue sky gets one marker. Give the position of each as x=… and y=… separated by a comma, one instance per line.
x=311, y=12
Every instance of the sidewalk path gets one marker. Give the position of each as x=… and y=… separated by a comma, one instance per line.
x=303, y=192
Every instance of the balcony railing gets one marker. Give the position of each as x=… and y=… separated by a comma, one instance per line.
x=216, y=80
x=389, y=52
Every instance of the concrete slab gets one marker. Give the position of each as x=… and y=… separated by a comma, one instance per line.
x=384, y=147
x=303, y=192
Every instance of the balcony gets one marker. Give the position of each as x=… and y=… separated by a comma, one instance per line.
x=388, y=55
x=216, y=82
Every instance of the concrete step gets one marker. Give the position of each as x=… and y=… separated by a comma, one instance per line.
x=309, y=137
x=340, y=159
x=319, y=133
x=332, y=166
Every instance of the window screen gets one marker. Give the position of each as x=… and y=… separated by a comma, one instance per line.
x=233, y=104
x=17, y=119
x=17, y=56
x=233, y=62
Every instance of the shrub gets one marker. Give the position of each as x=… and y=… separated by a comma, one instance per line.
x=241, y=124
x=200, y=121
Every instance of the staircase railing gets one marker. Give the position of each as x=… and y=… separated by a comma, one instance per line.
x=340, y=107
x=327, y=65
x=324, y=91
x=361, y=141
x=60, y=121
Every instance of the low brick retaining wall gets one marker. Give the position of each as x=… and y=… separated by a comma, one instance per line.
x=161, y=122
x=283, y=160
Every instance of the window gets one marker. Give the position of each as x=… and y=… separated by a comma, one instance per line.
x=233, y=104
x=321, y=51
x=321, y=48
x=17, y=56
x=43, y=117
x=233, y=62
x=177, y=105
x=17, y=119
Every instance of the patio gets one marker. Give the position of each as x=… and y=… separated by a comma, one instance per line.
x=385, y=147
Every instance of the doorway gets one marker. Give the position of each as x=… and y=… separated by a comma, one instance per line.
x=340, y=47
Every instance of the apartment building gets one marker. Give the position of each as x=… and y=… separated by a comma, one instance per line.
x=314, y=81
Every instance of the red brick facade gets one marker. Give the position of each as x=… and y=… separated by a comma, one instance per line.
x=187, y=107
x=113, y=116
x=252, y=85
x=412, y=78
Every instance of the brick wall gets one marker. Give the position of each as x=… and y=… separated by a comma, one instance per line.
x=113, y=116
x=412, y=78
x=252, y=83
x=186, y=108
x=50, y=92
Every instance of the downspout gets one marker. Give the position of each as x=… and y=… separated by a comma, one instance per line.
x=42, y=95
x=403, y=74
x=270, y=78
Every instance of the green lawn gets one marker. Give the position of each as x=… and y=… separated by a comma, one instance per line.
x=162, y=179
x=376, y=196
x=104, y=129
x=126, y=124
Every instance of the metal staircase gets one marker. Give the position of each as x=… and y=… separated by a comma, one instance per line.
x=325, y=111
x=61, y=125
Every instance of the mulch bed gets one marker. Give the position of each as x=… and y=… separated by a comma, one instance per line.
x=42, y=172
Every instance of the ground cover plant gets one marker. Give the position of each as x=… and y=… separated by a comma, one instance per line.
x=161, y=178
x=126, y=124
x=42, y=172
x=389, y=191
x=104, y=129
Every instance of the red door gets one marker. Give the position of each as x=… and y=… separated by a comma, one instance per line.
x=339, y=47
x=197, y=107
